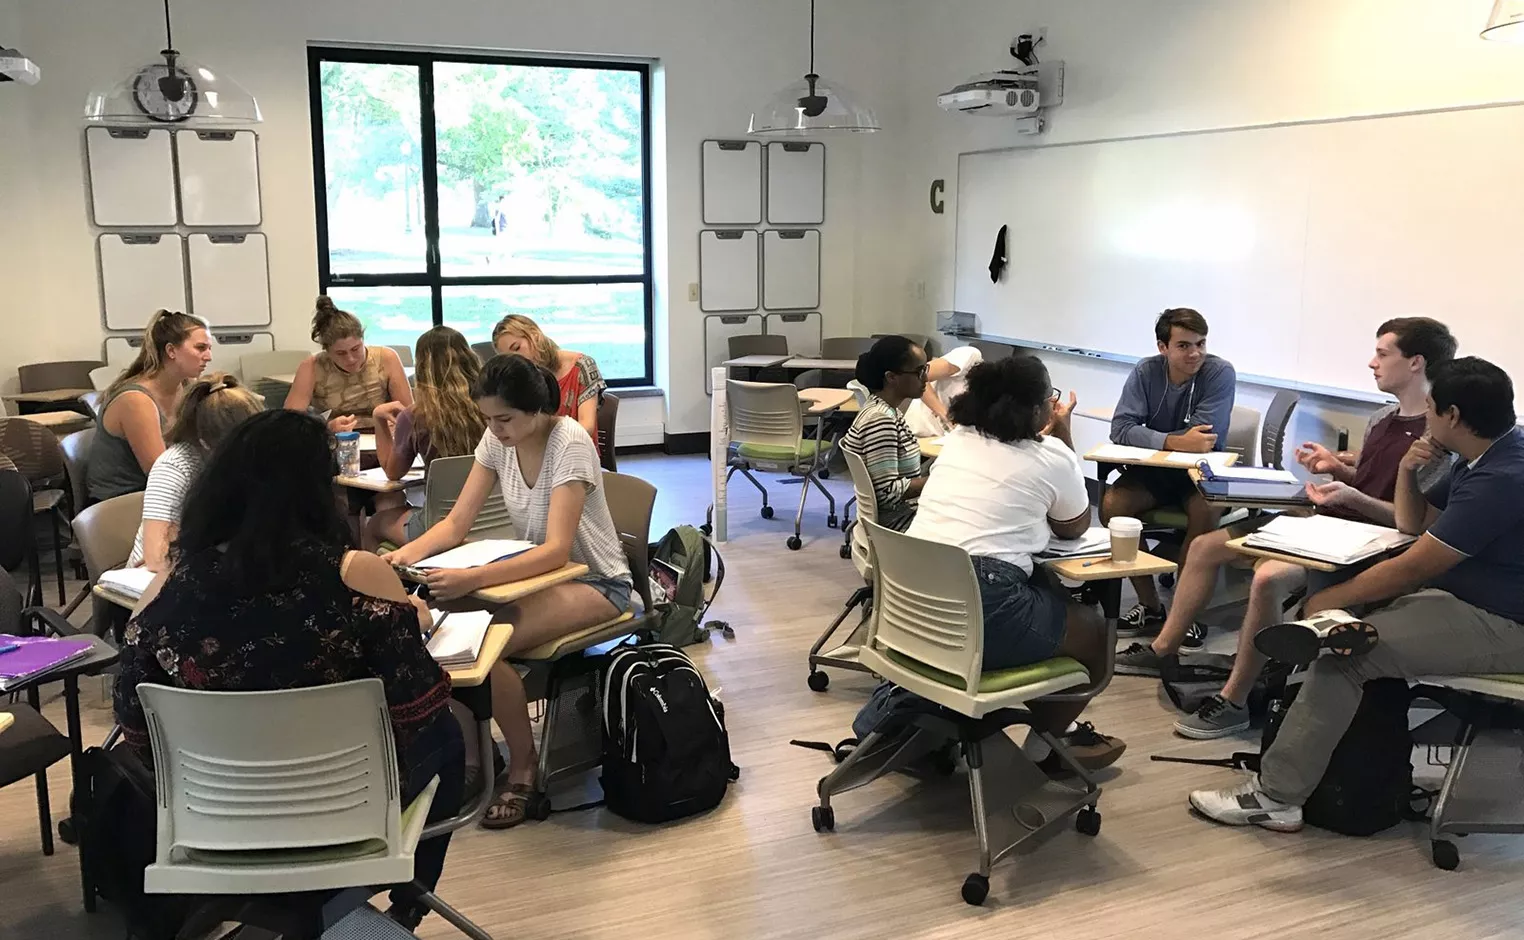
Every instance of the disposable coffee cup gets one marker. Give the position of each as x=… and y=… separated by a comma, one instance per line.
x=1125, y=534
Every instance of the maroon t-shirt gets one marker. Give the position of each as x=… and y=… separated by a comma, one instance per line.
x=1380, y=455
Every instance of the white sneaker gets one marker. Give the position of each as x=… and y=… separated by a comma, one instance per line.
x=1247, y=805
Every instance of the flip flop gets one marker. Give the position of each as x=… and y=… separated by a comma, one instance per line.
x=514, y=798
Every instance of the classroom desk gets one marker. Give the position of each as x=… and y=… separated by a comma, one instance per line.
x=373, y=485
x=1311, y=564
x=754, y=363
x=823, y=401
x=6, y=720
x=500, y=594
x=1098, y=414
x=1109, y=576
x=931, y=447
x=805, y=363
x=52, y=396
x=1300, y=507
x=289, y=378
x=59, y=422
x=466, y=677
x=1159, y=458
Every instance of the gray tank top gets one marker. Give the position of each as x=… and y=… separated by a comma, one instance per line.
x=113, y=469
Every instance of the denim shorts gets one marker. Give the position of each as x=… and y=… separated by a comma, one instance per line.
x=617, y=590
x=1023, y=617
x=415, y=526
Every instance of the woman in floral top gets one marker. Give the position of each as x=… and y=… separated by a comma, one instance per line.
x=264, y=594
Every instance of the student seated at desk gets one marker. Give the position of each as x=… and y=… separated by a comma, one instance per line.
x=442, y=422
x=136, y=407
x=893, y=371
x=1449, y=605
x=265, y=594
x=209, y=408
x=1007, y=481
x=546, y=468
x=348, y=380
x=1181, y=399
x=1363, y=490
x=581, y=384
x=946, y=378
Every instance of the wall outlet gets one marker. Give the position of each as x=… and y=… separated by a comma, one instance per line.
x=693, y=292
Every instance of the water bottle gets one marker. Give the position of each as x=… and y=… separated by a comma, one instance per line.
x=348, y=453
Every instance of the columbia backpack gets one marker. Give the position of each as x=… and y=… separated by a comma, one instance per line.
x=665, y=751
x=679, y=564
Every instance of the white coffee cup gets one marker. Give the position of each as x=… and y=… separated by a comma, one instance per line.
x=1125, y=535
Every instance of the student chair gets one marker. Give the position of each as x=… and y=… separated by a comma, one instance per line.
x=20, y=543
x=441, y=488
x=767, y=427
x=570, y=676
x=860, y=397
x=405, y=353
x=608, y=428
x=284, y=791
x=484, y=351
x=105, y=533
x=926, y=635
x=1272, y=436
x=846, y=655
x=47, y=376
x=762, y=344
x=102, y=377
x=256, y=368
x=31, y=745
x=35, y=452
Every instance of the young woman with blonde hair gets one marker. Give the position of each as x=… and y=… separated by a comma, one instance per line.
x=134, y=408
x=577, y=374
x=347, y=381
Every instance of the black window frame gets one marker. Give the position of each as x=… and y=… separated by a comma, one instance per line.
x=432, y=276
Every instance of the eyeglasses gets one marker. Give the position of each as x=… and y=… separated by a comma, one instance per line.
x=1053, y=394
x=922, y=371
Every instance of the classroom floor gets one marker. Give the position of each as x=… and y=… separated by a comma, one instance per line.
x=755, y=868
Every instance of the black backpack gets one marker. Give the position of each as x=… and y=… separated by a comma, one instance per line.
x=1189, y=681
x=665, y=751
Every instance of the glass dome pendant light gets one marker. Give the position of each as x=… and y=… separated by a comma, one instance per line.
x=1507, y=21
x=173, y=91
x=812, y=104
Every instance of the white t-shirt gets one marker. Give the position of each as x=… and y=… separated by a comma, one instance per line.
x=990, y=498
x=569, y=457
x=169, y=480
x=922, y=420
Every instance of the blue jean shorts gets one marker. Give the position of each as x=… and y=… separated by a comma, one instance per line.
x=616, y=590
x=1023, y=616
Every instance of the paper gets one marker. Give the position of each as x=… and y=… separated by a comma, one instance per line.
x=1095, y=541
x=1120, y=453
x=476, y=554
x=367, y=442
x=1215, y=459
x=131, y=582
x=932, y=441
x=378, y=475
x=458, y=636
x=1337, y=541
x=1254, y=474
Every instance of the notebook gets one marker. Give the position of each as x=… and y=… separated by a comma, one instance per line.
x=458, y=636
x=130, y=582
x=35, y=657
x=1095, y=542
x=1324, y=538
x=476, y=554
x=378, y=475
x=1255, y=492
x=1246, y=474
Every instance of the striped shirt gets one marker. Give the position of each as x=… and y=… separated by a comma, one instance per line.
x=169, y=481
x=569, y=458
x=880, y=436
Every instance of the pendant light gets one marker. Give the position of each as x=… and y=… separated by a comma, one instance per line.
x=173, y=91
x=1507, y=21
x=812, y=104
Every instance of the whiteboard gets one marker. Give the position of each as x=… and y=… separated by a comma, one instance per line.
x=1295, y=241
x=219, y=177
x=717, y=333
x=791, y=269
x=228, y=346
x=803, y=330
x=132, y=177
x=795, y=182
x=729, y=270
x=732, y=182
x=140, y=274
x=230, y=279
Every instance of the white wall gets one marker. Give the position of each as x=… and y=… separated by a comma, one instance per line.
x=1159, y=66
x=17, y=296
x=719, y=59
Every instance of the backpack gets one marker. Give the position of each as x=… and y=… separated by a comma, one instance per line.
x=1192, y=680
x=679, y=565
x=665, y=751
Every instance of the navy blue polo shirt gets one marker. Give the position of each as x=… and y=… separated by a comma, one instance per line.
x=1483, y=519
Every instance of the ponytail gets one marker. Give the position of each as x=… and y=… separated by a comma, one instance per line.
x=165, y=328
x=520, y=384
x=209, y=408
x=330, y=324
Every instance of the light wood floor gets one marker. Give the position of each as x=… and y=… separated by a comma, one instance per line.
x=755, y=868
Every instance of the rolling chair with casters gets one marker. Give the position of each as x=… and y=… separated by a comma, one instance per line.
x=76, y=454
x=767, y=429
x=926, y=635
x=106, y=532
x=441, y=489
x=860, y=396
x=35, y=452
x=846, y=655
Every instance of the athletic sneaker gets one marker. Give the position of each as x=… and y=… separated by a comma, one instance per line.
x=1217, y=717
x=1141, y=621
x=1139, y=659
x=1247, y=805
x=1195, y=636
x=1091, y=749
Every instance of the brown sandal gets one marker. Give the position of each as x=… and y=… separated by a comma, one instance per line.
x=514, y=799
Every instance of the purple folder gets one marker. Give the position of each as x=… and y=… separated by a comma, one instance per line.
x=36, y=657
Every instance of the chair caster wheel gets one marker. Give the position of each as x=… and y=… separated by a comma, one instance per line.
x=1166, y=581
x=823, y=818
x=538, y=807
x=1088, y=822
x=845, y=551
x=975, y=889
x=832, y=522
x=66, y=832
x=767, y=512
x=818, y=682
x=794, y=544
x=707, y=529
x=1446, y=855
x=825, y=473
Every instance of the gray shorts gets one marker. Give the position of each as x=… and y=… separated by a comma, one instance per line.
x=415, y=526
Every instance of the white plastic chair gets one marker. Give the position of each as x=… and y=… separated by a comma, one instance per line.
x=767, y=429
x=256, y=368
x=441, y=489
x=101, y=378
x=845, y=656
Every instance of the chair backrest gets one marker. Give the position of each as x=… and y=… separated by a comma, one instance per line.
x=484, y=351
x=1242, y=431
x=255, y=368
x=106, y=531
x=405, y=353
x=845, y=347
x=926, y=604
x=46, y=376
x=10, y=604
x=758, y=344
x=288, y=769
x=92, y=401
x=18, y=545
x=859, y=392
x=608, y=426
x=101, y=378
x=867, y=511
x=1272, y=437
x=764, y=413
x=441, y=488
x=33, y=449
x=631, y=501
x=76, y=455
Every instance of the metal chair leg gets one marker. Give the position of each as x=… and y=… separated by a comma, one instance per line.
x=973, y=754
x=455, y=918
x=44, y=812
x=58, y=558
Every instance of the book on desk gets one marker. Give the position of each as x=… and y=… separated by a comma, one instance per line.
x=1327, y=539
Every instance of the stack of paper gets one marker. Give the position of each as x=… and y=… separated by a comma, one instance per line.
x=1120, y=453
x=1324, y=538
x=378, y=475
x=1249, y=474
x=476, y=554
x=1095, y=542
x=129, y=582
x=27, y=658
x=458, y=636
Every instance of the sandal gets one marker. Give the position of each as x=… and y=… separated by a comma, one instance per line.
x=513, y=798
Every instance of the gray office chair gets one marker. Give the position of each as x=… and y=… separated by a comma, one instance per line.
x=760, y=344
x=441, y=488
x=767, y=431
x=1272, y=438
x=405, y=353
x=484, y=351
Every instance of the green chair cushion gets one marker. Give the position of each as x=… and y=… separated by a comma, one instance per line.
x=1167, y=518
x=1510, y=678
x=998, y=680
x=776, y=453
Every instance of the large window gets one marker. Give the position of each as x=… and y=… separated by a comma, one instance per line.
x=457, y=189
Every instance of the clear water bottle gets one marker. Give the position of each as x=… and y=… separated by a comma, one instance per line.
x=348, y=453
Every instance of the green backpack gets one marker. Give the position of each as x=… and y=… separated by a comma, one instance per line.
x=678, y=572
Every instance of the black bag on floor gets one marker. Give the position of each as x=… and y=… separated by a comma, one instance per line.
x=1190, y=680
x=666, y=754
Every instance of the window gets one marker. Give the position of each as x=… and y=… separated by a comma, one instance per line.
x=456, y=189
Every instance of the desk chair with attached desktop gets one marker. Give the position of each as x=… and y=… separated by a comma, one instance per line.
x=845, y=656
x=767, y=429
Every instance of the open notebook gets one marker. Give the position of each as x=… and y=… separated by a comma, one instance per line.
x=129, y=582
x=476, y=554
x=1094, y=543
x=458, y=636
x=1324, y=538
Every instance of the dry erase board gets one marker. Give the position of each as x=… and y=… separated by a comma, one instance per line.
x=729, y=270
x=795, y=183
x=132, y=177
x=732, y=181
x=791, y=269
x=219, y=177
x=228, y=346
x=717, y=333
x=139, y=275
x=803, y=330
x=230, y=279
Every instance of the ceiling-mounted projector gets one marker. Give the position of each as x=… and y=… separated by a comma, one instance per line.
x=15, y=67
x=995, y=94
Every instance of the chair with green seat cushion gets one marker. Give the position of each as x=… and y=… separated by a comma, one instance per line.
x=926, y=635
x=766, y=427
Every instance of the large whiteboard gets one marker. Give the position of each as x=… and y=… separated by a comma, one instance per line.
x=1296, y=241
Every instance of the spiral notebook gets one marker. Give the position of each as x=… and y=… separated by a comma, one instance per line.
x=34, y=657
